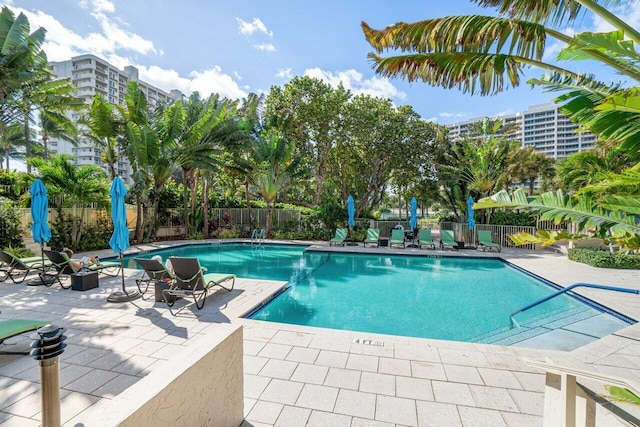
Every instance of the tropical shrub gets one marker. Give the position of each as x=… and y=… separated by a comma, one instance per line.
x=604, y=259
x=513, y=218
x=10, y=226
x=19, y=252
x=228, y=234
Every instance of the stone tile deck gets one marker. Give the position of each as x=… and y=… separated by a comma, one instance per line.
x=297, y=375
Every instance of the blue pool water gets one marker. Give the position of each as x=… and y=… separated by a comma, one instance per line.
x=462, y=299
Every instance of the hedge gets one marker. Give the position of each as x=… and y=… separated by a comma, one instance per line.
x=603, y=258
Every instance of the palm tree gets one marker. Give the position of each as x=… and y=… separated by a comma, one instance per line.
x=102, y=126
x=56, y=125
x=20, y=52
x=78, y=186
x=486, y=54
x=274, y=170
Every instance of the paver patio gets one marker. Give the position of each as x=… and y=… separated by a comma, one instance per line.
x=296, y=375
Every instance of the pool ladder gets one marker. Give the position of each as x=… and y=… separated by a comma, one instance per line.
x=567, y=289
x=258, y=236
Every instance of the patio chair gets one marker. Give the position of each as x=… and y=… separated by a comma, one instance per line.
x=486, y=242
x=339, y=238
x=373, y=237
x=424, y=238
x=13, y=266
x=447, y=240
x=12, y=327
x=397, y=238
x=191, y=281
x=153, y=271
x=63, y=266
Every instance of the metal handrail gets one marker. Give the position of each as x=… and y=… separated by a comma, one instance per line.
x=567, y=289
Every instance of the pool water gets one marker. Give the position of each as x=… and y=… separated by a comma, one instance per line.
x=452, y=298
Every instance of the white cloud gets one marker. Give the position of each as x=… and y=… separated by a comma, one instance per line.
x=355, y=82
x=627, y=12
x=284, y=73
x=255, y=26
x=205, y=82
x=265, y=47
x=456, y=115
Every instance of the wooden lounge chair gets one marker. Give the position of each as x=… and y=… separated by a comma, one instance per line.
x=13, y=266
x=373, y=237
x=339, y=238
x=397, y=238
x=447, y=240
x=191, y=281
x=424, y=238
x=486, y=242
x=153, y=270
x=63, y=266
x=12, y=327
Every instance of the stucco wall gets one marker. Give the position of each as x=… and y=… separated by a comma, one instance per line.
x=200, y=386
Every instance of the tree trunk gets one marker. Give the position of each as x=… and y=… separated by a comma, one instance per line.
x=27, y=143
x=269, y=218
x=139, y=219
x=44, y=143
x=531, y=182
x=205, y=207
x=246, y=195
x=192, y=203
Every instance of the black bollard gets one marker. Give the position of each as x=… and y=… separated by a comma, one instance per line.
x=47, y=346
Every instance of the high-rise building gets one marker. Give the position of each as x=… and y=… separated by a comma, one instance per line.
x=543, y=127
x=92, y=76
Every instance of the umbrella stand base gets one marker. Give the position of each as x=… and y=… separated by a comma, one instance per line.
x=352, y=244
x=121, y=296
x=41, y=281
x=413, y=246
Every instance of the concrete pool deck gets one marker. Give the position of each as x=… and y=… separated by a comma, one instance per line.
x=296, y=375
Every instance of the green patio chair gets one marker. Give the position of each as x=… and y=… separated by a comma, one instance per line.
x=486, y=242
x=339, y=238
x=424, y=238
x=397, y=238
x=373, y=237
x=191, y=281
x=154, y=270
x=63, y=266
x=13, y=266
x=447, y=240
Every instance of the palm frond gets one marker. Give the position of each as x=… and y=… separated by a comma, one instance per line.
x=469, y=72
x=470, y=34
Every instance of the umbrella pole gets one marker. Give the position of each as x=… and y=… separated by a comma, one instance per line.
x=43, y=279
x=123, y=295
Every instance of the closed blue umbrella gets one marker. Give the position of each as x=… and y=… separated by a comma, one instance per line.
x=40, y=229
x=413, y=221
x=39, y=213
x=351, y=210
x=470, y=221
x=119, y=241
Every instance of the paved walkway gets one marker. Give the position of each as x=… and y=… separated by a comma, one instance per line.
x=298, y=375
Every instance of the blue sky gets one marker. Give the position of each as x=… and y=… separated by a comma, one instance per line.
x=237, y=47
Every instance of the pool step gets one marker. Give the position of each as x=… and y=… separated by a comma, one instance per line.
x=534, y=327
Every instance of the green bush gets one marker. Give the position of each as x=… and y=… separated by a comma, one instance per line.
x=604, y=259
x=10, y=226
x=228, y=234
x=513, y=218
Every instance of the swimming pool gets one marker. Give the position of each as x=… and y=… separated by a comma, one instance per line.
x=452, y=298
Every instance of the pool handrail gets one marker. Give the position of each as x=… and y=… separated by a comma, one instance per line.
x=567, y=289
x=258, y=236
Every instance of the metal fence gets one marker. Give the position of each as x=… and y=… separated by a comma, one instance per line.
x=499, y=233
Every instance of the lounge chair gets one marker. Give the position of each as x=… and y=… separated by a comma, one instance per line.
x=13, y=266
x=373, y=237
x=339, y=238
x=397, y=238
x=153, y=270
x=63, y=266
x=191, y=281
x=12, y=327
x=447, y=240
x=424, y=238
x=486, y=242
